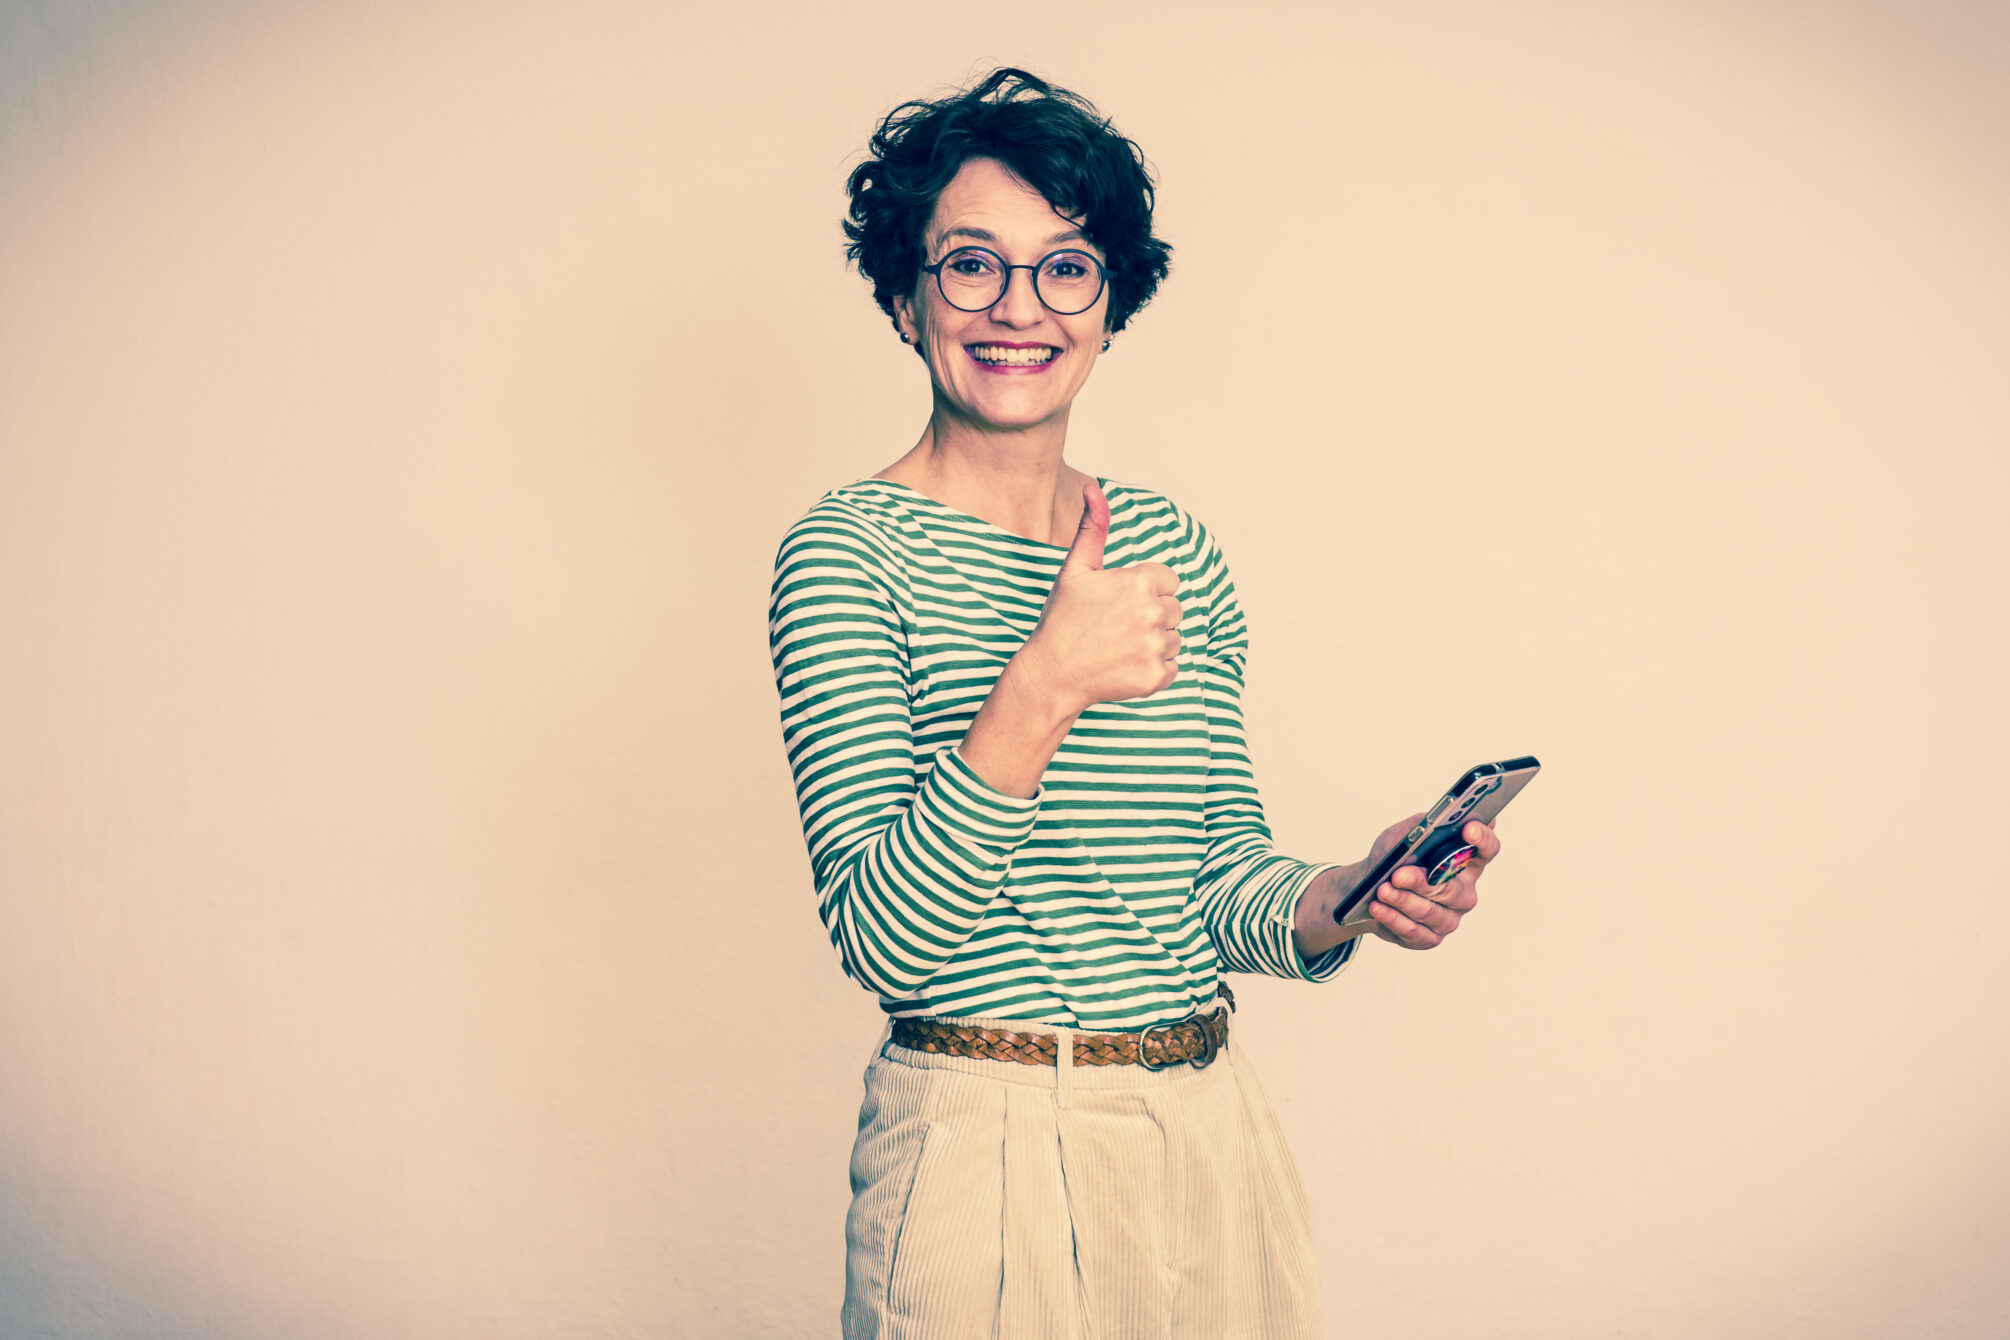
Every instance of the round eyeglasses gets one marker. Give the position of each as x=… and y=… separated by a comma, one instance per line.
x=973, y=279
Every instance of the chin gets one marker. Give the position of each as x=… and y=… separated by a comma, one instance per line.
x=1008, y=419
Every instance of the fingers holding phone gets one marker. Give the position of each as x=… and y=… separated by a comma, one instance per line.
x=1416, y=912
x=1439, y=859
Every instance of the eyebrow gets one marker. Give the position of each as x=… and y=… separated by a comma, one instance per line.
x=986, y=235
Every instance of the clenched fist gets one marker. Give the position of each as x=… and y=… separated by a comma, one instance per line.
x=1106, y=634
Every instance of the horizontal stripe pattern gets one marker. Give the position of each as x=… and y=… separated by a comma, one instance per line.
x=1110, y=900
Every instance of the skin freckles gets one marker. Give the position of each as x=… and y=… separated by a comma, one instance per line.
x=985, y=205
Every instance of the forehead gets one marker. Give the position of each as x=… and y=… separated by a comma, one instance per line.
x=985, y=198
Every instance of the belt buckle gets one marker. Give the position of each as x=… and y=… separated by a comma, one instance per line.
x=1210, y=1046
x=1210, y=1041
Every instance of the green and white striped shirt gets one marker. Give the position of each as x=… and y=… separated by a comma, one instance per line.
x=1112, y=899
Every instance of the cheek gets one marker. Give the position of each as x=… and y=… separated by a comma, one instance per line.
x=933, y=331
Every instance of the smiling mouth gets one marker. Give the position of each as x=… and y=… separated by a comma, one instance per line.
x=1005, y=355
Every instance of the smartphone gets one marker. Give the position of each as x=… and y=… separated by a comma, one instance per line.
x=1436, y=844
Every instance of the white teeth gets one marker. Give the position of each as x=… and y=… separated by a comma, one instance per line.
x=993, y=353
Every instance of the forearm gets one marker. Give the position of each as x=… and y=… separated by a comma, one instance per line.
x=900, y=905
x=1016, y=732
x=1312, y=930
x=1267, y=912
x=900, y=901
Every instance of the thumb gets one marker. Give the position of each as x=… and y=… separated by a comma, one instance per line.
x=1090, y=536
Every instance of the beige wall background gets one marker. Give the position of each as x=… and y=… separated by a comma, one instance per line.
x=404, y=927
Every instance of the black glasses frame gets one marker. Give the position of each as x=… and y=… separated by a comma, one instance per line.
x=1103, y=273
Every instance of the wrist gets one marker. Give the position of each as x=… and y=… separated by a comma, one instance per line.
x=1313, y=930
x=1016, y=732
x=1031, y=689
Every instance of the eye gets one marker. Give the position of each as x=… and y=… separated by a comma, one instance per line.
x=970, y=264
x=1070, y=265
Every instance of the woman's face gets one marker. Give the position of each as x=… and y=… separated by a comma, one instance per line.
x=985, y=205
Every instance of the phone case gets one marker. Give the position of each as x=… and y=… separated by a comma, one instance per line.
x=1436, y=844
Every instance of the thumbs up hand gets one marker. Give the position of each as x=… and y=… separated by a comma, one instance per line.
x=1106, y=634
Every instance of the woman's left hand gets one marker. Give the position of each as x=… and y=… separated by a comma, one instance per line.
x=1410, y=913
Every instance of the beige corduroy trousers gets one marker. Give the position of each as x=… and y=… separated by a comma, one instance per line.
x=993, y=1199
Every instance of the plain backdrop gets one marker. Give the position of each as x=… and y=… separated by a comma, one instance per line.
x=405, y=928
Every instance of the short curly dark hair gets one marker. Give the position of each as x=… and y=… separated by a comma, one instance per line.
x=1053, y=140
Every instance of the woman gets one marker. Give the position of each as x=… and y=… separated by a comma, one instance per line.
x=1010, y=698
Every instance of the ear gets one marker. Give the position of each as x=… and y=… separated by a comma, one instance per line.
x=904, y=321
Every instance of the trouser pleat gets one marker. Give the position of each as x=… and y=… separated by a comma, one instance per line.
x=1143, y=1207
x=1041, y=1295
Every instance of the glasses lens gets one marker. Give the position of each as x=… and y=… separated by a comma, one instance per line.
x=971, y=279
x=1070, y=281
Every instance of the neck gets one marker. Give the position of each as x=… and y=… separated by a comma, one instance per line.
x=1015, y=480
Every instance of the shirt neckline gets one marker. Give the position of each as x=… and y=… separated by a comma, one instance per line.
x=979, y=522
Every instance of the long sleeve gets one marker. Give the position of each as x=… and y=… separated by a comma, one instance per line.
x=907, y=854
x=1248, y=892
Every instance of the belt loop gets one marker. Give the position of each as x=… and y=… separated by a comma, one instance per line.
x=1064, y=1065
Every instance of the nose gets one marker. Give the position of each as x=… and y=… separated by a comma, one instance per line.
x=1019, y=305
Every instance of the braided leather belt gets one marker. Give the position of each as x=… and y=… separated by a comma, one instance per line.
x=1195, y=1041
